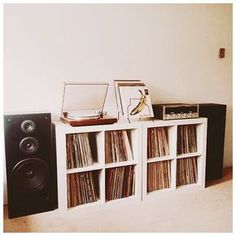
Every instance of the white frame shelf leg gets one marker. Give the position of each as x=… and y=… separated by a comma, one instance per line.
x=61, y=169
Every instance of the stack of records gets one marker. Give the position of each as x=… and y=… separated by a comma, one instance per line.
x=186, y=139
x=117, y=147
x=157, y=142
x=158, y=175
x=78, y=149
x=120, y=182
x=187, y=171
x=81, y=188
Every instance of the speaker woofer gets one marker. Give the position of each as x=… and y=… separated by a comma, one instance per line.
x=30, y=175
x=28, y=126
x=29, y=145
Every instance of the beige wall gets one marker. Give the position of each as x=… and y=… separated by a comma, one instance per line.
x=173, y=48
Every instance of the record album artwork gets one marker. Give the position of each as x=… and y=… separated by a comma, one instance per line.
x=134, y=100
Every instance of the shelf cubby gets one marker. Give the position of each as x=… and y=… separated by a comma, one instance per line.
x=81, y=149
x=157, y=142
x=158, y=175
x=82, y=188
x=118, y=146
x=187, y=171
x=120, y=182
x=186, y=139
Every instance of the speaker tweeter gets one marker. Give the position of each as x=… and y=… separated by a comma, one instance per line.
x=28, y=126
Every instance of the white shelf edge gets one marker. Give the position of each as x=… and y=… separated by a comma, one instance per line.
x=187, y=186
x=89, y=204
x=186, y=155
x=120, y=164
x=159, y=125
x=157, y=191
x=158, y=159
x=164, y=123
x=97, y=166
x=132, y=197
x=121, y=128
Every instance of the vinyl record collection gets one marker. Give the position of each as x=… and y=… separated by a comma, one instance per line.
x=120, y=182
x=158, y=175
x=117, y=146
x=78, y=149
x=157, y=144
x=187, y=171
x=186, y=139
x=81, y=188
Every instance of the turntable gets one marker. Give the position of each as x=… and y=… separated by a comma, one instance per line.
x=83, y=104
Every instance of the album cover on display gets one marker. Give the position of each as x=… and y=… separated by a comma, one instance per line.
x=133, y=100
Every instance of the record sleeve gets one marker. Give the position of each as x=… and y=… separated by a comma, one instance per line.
x=133, y=100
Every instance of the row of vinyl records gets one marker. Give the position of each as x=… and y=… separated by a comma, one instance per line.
x=120, y=182
x=157, y=142
x=187, y=171
x=79, y=153
x=159, y=173
x=83, y=187
x=117, y=146
x=186, y=139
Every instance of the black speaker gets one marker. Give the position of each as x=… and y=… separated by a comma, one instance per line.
x=30, y=164
x=216, y=114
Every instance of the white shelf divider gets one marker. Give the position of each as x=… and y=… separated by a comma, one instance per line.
x=157, y=159
x=190, y=154
x=96, y=166
x=120, y=164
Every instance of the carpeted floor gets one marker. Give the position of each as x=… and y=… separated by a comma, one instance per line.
x=187, y=210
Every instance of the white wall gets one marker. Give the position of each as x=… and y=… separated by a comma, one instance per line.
x=173, y=48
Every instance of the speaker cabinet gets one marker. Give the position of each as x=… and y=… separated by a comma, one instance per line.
x=30, y=164
x=216, y=114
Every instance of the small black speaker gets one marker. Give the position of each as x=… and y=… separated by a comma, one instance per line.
x=30, y=164
x=216, y=114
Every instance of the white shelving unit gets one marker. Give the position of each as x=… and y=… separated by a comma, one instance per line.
x=171, y=128
x=137, y=134
x=100, y=168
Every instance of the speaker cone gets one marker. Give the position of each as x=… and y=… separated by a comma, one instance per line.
x=28, y=126
x=29, y=145
x=30, y=175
